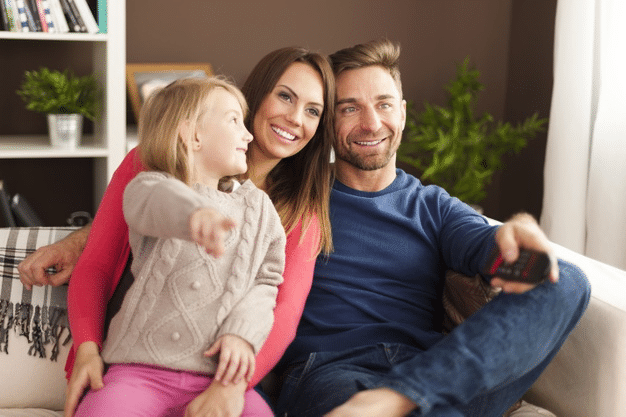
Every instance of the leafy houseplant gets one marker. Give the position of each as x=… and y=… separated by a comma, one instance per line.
x=65, y=98
x=55, y=92
x=456, y=150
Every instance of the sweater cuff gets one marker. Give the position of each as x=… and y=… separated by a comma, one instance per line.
x=83, y=331
x=246, y=330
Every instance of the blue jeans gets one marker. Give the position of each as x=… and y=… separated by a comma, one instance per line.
x=480, y=369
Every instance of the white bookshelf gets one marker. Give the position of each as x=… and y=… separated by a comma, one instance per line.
x=107, y=146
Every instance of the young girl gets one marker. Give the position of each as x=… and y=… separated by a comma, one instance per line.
x=204, y=283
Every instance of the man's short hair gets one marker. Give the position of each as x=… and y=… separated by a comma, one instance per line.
x=381, y=52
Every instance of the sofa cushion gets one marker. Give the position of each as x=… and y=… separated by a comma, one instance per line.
x=34, y=334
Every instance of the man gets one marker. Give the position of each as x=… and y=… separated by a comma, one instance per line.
x=370, y=342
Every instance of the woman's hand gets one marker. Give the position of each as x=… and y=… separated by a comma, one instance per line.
x=209, y=228
x=218, y=401
x=61, y=255
x=236, y=360
x=88, y=369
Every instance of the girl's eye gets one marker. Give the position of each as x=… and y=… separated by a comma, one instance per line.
x=284, y=96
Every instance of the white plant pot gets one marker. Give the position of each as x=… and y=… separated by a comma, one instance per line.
x=65, y=130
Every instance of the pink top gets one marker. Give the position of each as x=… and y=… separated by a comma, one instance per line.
x=100, y=268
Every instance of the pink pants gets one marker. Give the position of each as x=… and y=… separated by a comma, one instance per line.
x=139, y=390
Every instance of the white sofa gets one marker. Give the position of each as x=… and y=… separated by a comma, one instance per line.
x=586, y=379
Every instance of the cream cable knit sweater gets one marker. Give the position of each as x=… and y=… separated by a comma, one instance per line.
x=183, y=299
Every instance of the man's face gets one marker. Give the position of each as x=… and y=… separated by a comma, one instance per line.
x=370, y=118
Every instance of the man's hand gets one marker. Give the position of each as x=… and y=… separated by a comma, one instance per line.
x=209, y=228
x=88, y=369
x=61, y=255
x=236, y=360
x=522, y=231
x=218, y=401
x=379, y=402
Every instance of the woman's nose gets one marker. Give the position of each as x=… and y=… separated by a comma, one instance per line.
x=295, y=117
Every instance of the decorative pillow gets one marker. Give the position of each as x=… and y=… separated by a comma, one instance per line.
x=34, y=333
x=462, y=297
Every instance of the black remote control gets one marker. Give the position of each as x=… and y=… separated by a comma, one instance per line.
x=531, y=266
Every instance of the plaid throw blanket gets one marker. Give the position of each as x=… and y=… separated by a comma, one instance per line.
x=39, y=315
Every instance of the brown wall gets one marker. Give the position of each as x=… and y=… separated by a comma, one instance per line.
x=529, y=90
x=509, y=41
x=234, y=35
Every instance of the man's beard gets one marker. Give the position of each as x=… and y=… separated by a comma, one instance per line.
x=367, y=162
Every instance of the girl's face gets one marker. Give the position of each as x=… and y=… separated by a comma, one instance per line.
x=289, y=115
x=221, y=139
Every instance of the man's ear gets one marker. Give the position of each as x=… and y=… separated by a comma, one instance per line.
x=403, y=114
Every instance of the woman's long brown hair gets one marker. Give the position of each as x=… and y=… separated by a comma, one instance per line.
x=299, y=185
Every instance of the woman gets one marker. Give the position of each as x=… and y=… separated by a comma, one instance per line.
x=290, y=93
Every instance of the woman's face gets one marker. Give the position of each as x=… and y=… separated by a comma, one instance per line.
x=289, y=115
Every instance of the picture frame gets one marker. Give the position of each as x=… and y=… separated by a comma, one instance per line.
x=143, y=78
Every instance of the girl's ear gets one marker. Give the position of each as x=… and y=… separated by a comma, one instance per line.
x=187, y=134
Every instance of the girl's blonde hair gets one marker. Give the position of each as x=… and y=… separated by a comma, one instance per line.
x=161, y=147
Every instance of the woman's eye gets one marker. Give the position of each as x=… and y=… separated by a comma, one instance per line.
x=284, y=96
x=314, y=112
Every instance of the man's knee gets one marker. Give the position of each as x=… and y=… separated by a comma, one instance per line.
x=573, y=288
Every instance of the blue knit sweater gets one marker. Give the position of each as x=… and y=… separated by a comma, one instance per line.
x=384, y=281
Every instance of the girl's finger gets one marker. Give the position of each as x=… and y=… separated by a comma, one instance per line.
x=222, y=365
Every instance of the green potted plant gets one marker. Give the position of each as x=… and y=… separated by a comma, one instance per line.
x=65, y=98
x=456, y=150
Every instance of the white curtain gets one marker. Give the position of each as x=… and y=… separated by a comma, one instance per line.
x=584, y=203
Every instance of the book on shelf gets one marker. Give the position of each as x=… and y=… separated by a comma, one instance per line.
x=6, y=219
x=4, y=17
x=22, y=18
x=102, y=15
x=25, y=215
x=31, y=16
x=72, y=22
x=77, y=15
x=12, y=15
x=37, y=8
x=56, y=12
x=85, y=13
x=47, y=15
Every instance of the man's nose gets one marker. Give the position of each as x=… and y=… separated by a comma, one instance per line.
x=370, y=120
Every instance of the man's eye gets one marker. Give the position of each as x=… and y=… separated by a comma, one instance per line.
x=348, y=110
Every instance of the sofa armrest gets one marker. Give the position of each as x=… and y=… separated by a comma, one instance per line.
x=588, y=375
